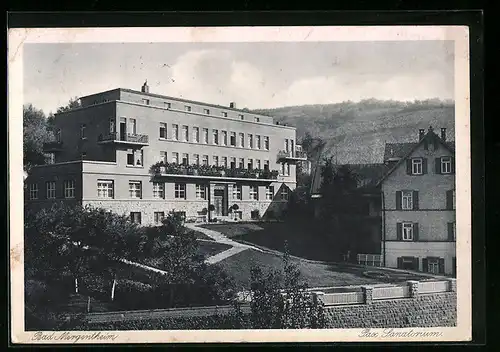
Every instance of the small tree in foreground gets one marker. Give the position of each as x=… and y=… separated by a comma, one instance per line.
x=280, y=299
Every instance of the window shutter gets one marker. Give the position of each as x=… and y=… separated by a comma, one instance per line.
x=452, y=164
x=438, y=165
x=441, y=265
x=399, y=231
x=416, y=263
x=415, y=200
x=408, y=166
x=450, y=231
x=449, y=200
x=424, y=166
x=415, y=231
x=400, y=263
x=398, y=200
x=425, y=266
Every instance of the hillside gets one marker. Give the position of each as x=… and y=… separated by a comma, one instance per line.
x=356, y=132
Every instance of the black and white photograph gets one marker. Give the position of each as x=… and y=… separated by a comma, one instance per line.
x=239, y=184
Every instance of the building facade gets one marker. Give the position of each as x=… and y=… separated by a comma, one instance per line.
x=418, y=205
x=144, y=154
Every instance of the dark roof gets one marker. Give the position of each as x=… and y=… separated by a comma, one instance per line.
x=401, y=150
x=368, y=175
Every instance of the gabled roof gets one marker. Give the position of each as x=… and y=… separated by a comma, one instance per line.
x=368, y=175
x=401, y=150
x=430, y=136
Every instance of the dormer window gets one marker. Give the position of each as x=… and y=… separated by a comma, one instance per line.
x=224, y=114
x=187, y=108
x=145, y=101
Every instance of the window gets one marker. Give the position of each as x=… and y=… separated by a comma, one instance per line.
x=446, y=165
x=257, y=164
x=51, y=189
x=204, y=160
x=145, y=101
x=163, y=130
x=242, y=140
x=82, y=131
x=205, y=135
x=201, y=192
x=180, y=191
x=185, y=133
x=59, y=136
x=159, y=190
x=135, y=189
x=406, y=200
x=416, y=166
x=269, y=192
x=105, y=188
x=135, y=217
x=135, y=158
x=266, y=143
x=187, y=108
x=408, y=263
x=215, y=137
x=175, y=132
x=241, y=163
x=250, y=141
x=175, y=158
x=185, y=159
x=287, y=146
x=163, y=157
x=284, y=193
x=132, y=126
x=433, y=265
x=196, y=158
x=111, y=125
x=216, y=160
x=158, y=217
x=167, y=105
x=50, y=158
x=250, y=164
x=233, y=163
x=196, y=135
x=224, y=138
x=224, y=114
x=237, y=192
x=69, y=189
x=254, y=193
x=224, y=161
x=266, y=165
x=285, y=169
x=407, y=234
x=206, y=111
x=233, y=139
x=34, y=191
x=241, y=117
x=256, y=119
x=257, y=141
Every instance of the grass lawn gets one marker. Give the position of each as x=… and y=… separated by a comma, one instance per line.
x=302, y=240
x=209, y=249
x=315, y=274
x=201, y=235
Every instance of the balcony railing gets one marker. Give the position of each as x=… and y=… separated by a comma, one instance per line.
x=115, y=137
x=53, y=146
x=161, y=168
x=291, y=155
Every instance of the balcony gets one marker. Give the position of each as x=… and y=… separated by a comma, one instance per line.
x=291, y=156
x=135, y=139
x=51, y=147
x=212, y=172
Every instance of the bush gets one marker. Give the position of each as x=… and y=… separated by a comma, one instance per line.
x=133, y=294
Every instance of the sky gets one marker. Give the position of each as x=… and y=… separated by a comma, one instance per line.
x=254, y=75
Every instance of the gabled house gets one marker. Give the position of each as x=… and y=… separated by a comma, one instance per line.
x=418, y=204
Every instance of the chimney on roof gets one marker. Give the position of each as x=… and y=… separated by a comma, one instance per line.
x=443, y=134
x=232, y=105
x=145, y=87
x=421, y=134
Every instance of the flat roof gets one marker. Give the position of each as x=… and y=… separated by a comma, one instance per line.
x=180, y=100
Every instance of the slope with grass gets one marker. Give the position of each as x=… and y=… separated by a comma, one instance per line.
x=357, y=132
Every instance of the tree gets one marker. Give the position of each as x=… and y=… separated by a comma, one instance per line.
x=72, y=104
x=35, y=134
x=280, y=299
